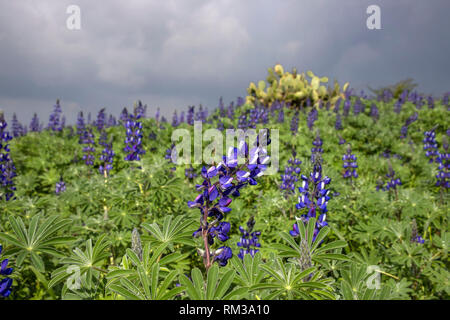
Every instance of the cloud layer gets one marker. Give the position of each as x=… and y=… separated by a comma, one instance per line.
x=172, y=54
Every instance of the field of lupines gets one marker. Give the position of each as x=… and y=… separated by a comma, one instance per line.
x=358, y=209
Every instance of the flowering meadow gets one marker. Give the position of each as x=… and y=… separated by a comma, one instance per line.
x=357, y=210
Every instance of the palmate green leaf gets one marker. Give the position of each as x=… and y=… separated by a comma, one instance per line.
x=249, y=272
x=354, y=285
x=143, y=277
x=287, y=280
x=89, y=262
x=36, y=239
x=174, y=230
x=214, y=288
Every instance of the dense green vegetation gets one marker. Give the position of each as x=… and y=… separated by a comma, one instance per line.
x=80, y=243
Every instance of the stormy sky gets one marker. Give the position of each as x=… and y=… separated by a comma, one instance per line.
x=171, y=54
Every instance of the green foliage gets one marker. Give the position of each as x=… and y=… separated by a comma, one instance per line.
x=39, y=238
x=81, y=245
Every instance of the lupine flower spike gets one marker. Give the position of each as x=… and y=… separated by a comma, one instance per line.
x=290, y=176
x=415, y=234
x=133, y=140
x=349, y=165
x=313, y=198
x=430, y=144
x=443, y=175
x=249, y=241
x=7, y=168
x=60, y=186
x=6, y=282
x=221, y=182
x=88, y=141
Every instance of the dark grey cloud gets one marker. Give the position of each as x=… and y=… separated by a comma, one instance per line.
x=172, y=54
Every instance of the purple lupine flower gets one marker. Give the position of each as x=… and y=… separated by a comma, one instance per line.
x=400, y=101
x=398, y=106
x=222, y=111
x=430, y=101
x=181, y=117
x=124, y=116
x=55, y=118
x=408, y=122
x=6, y=282
x=175, y=119
x=220, y=231
x=403, y=132
x=374, y=113
x=101, y=120
x=190, y=115
x=133, y=140
x=350, y=164
x=60, y=186
x=157, y=115
x=16, y=126
x=338, y=123
x=347, y=106
x=358, y=107
x=89, y=149
x=220, y=125
x=281, y=116
x=387, y=95
x=317, y=149
x=249, y=240
x=35, y=126
x=140, y=109
x=168, y=156
x=230, y=110
x=341, y=140
x=337, y=105
x=412, y=96
x=290, y=176
x=294, y=123
x=223, y=254
x=112, y=121
x=308, y=102
x=80, y=126
x=443, y=159
x=190, y=173
x=215, y=197
x=106, y=159
x=242, y=121
x=7, y=168
x=445, y=99
x=313, y=197
x=430, y=145
x=392, y=181
x=199, y=114
x=240, y=101
x=313, y=115
x=415, y=237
